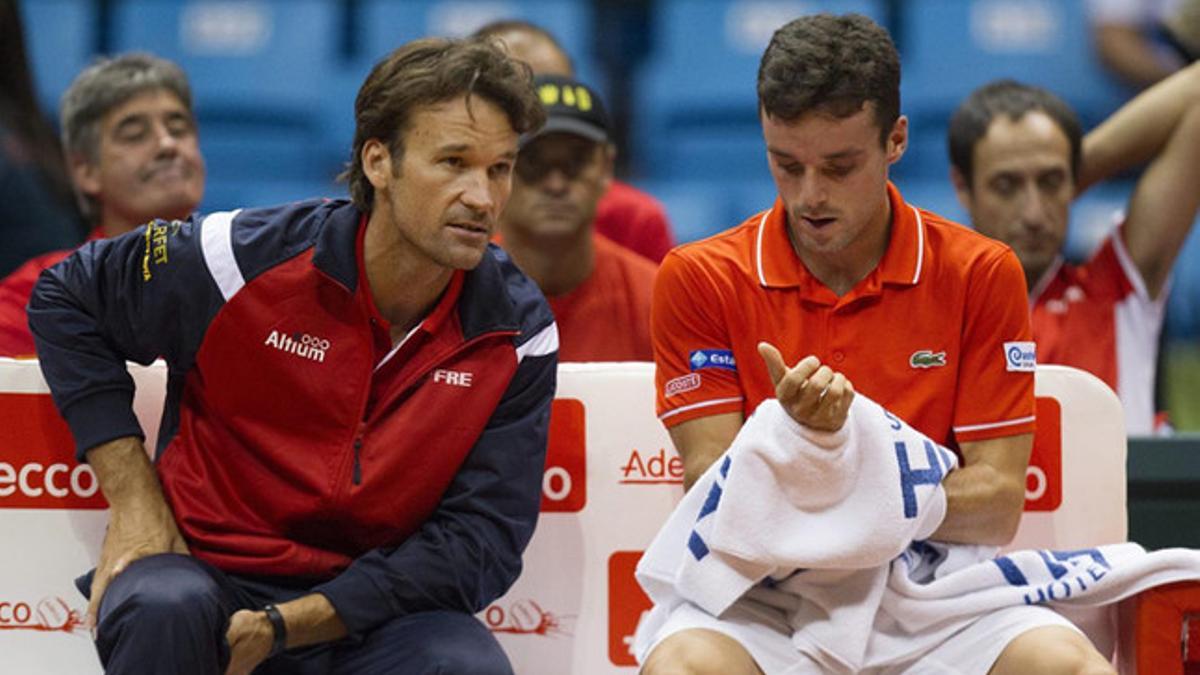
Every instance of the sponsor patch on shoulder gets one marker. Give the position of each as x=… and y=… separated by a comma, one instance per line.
x=681, y=384
x=712, y=358
x=1020, y=356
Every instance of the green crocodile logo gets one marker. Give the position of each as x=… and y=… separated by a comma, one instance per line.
x=927, y=359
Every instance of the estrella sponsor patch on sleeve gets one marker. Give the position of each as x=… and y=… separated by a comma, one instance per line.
x=700, y=359
x=1020, y=356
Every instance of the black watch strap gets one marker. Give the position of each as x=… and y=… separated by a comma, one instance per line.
x=276, y=619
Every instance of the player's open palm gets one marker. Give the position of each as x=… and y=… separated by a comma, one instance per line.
x=813, y=394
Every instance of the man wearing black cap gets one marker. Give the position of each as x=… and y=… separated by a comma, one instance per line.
x=599, y=291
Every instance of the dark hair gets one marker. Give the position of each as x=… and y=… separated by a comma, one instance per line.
x=830, y=63
x=1013, y=99
x=430, y=71
x=498, y=28
x=21, y=116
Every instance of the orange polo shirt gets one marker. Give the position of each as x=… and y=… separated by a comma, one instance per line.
x=938, y=332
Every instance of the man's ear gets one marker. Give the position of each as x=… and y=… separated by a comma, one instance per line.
x=961, y=188
x=897, y=140
x=85, y=175
x=377, y=163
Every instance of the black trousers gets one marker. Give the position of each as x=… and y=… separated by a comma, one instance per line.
x=168, y=613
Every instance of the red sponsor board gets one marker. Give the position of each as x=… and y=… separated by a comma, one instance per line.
x=37, y=458
x=564, y=484
x=1043, y=479
x=626, y=604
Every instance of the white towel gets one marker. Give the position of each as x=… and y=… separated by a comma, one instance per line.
x=838, y=520
x=845, y=502
x=806, y=499
x=1085, y=577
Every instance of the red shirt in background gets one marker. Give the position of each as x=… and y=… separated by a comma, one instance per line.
x=634, y=220
x=1099, y=317
x=15, y=289
x=607, y=318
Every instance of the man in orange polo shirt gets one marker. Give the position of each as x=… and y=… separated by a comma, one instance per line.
x=852, y=285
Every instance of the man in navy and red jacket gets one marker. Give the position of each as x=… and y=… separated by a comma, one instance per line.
x=357, y=408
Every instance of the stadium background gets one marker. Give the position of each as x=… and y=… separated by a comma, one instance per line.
x=274, y=84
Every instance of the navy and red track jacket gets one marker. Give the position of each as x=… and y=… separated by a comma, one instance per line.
x=288, y=448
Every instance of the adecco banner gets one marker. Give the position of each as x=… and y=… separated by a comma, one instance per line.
x=611, y=479
x=1075, y=484
x=564, y=483
x=37, y=466
x=556, y=618
x=1043, y=477
x=575, y=608
x=52, y=521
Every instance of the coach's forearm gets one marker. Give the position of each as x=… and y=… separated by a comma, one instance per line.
x=125, y=473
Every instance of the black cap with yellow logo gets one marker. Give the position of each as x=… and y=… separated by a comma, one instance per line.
x=571, y=107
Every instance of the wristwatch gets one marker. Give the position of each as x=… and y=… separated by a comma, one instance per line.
x=276, y=619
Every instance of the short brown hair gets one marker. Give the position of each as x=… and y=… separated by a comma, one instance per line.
x=830, y=63
x=430, y=71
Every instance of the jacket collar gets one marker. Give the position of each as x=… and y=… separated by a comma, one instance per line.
x=484, y=305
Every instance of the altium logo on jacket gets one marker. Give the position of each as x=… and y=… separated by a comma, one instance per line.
x=301, y=344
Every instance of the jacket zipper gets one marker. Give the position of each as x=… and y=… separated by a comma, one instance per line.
x=357, y=478
x=356, y=473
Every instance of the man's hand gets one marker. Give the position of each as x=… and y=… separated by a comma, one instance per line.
x=140, y=523
x=814, y=395
x=134, y=532
x=250, y=637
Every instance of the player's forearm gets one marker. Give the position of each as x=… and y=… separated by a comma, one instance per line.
x=982, y=506
x=1140, y=129
x=701, y=441
x=696, y=462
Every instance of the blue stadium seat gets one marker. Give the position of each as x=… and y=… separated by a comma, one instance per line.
x=386, y=24
x=951, y=47
x=226, y=195
x=697, y=209
x=702, y=207
x=935, y=195
x=696, y=102
x=258, y=70
x=60, y=38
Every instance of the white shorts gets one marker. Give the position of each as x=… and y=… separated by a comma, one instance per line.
x=764, y=631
